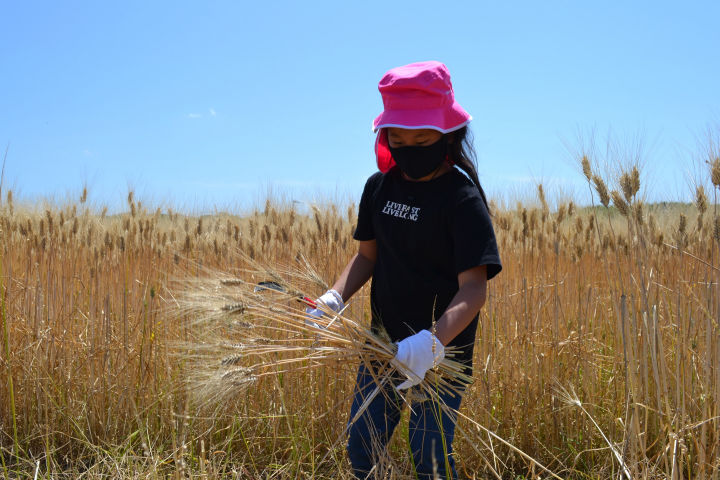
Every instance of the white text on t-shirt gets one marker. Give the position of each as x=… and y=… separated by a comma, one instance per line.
x=401, y=210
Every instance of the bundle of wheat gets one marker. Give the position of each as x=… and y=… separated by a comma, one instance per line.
x=252, y=329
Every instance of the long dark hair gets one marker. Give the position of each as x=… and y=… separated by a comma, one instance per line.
x=462, y=154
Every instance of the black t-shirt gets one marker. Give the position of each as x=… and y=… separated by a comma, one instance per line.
x=427, y=233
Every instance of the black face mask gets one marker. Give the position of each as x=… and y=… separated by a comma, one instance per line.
x=416, y=161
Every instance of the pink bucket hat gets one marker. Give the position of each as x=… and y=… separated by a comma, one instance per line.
x=420, y=95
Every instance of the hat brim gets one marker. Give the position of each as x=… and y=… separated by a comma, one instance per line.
x=444, y=120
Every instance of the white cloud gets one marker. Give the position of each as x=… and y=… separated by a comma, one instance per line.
x=211, y=112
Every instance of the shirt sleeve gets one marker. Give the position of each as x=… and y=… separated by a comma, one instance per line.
x=364, y=229
x=474, y=240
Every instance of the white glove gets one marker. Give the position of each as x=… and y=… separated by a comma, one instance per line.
x=330, y=299
x=416, y=355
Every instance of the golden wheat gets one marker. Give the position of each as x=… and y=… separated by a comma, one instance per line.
x=619, y=312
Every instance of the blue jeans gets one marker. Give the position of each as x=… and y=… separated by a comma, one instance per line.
x=430, y=440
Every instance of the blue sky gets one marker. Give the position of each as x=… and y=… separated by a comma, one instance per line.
x=210, y=105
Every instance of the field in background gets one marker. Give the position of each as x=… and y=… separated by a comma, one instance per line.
x=597, y=351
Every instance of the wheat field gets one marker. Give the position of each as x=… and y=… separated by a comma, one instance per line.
x=597, y=352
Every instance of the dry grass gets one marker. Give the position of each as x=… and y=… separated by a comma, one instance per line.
x=597, y=352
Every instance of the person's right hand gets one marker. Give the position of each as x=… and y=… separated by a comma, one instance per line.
x=331, y=299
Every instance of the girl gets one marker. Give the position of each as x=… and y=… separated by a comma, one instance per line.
x=426, y=239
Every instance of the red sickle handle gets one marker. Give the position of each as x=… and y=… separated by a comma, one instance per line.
x=308, y=301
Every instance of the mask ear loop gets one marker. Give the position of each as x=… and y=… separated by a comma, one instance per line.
x=382, y=152
x=448, y=146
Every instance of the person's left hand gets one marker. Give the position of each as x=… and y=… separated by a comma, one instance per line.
x=416, y=355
